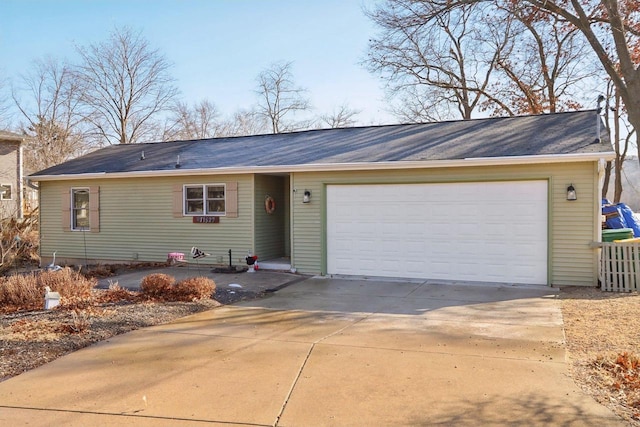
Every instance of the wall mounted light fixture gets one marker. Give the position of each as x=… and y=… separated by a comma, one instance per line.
x=306, y=197
x=571, y=193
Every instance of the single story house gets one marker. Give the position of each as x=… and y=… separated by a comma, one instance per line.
x=514, y=200
x=11, y=175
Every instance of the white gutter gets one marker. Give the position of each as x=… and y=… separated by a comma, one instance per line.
x=333, y=167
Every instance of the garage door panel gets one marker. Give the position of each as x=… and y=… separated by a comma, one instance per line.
x=494, y=231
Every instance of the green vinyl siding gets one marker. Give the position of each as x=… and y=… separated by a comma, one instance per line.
x=270, y=228
x=137, y=222
x=571, y=224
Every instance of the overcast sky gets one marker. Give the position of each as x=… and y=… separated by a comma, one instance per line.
x=218, y=47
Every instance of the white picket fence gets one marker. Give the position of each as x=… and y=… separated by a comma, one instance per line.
x=620, y=266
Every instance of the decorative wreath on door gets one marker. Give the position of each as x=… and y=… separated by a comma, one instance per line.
x=269, y=205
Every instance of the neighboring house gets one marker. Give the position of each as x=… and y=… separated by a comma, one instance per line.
x=478, y=200
x=11, y=175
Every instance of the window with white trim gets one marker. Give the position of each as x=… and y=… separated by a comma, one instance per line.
x=5, y=192
x=205, y=199
x=80, y=209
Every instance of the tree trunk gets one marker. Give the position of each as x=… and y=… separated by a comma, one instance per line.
x=123, y=131
x=617, y=194
x=607, y=177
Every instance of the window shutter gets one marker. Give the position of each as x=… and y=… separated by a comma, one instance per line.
x=177, y=201
x=66, y=210
x=231, y=202
x=94, y=209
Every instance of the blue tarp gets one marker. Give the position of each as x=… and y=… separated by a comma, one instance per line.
x=630, y=219
x=624, y=218
x=614, y=221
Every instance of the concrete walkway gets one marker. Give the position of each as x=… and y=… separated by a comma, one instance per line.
x=325, y=352
x=259, y=281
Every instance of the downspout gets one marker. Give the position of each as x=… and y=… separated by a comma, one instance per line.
x=598, y=221
x=601, y=169
x=292, y=193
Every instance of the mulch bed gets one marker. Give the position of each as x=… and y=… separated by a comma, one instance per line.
x=33, y=338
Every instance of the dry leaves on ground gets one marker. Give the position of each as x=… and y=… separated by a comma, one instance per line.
x=603, y=335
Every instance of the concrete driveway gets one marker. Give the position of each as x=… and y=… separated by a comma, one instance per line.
x=325, y=352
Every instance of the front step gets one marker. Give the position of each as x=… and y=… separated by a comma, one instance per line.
x=280, y=264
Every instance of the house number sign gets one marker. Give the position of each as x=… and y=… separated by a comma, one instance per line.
x=206, y=219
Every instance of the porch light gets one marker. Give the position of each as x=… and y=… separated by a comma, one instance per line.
x=571, y=193
x=306, y=198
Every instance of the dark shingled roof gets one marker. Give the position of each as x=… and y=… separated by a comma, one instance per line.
x=547, y=134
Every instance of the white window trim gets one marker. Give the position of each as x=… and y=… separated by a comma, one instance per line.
x=72, y=207
x=11, y=190
x=204, y=200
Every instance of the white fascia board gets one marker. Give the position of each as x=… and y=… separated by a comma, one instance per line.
x=332, y=167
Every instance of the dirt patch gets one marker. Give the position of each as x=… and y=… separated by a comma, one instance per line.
x=603, y=336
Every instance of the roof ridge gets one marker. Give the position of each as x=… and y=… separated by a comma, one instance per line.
x=387, y=125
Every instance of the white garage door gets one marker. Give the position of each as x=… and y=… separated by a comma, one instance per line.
x=488, y=232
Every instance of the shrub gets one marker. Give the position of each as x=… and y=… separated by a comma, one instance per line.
x=117, y=293
x=26, y=292
x=157, y=286
x=78, y=323
x=194, y=288
x=74, y=288
x=20, y=292
x=18, y=241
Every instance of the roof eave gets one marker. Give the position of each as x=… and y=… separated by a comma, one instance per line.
x=11, y=138
x=333, y=167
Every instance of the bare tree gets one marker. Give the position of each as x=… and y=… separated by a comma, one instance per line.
x=621, y=142
x=610, y=27
x=242, y=123
x=18, y=240
x=126, y=84
x=4, y=103
x=491, y=55
x=51, y=120
x=543, y=66
x=340, y=117
x=415, y=104
x=434, y=66
x=280, y=98
x=192, y=122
